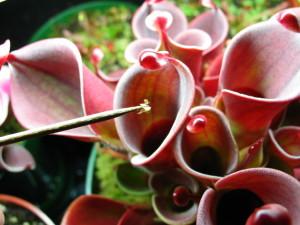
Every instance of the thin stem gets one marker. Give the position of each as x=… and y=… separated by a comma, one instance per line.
x=73, y=123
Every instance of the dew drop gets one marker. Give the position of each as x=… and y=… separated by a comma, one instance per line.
x=196, y=124
x=289, y=21
x=181, y=196
x=152, y=60
x=254, y=148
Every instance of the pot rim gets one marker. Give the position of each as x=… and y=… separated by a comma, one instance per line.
x=90, y=171
x=28, y=206
x=42, y=32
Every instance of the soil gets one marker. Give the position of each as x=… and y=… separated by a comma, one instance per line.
x=15, y=215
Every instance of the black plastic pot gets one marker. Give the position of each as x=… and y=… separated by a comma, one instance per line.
x=58, y=177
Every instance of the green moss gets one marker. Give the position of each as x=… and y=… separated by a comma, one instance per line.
x=240, y=13
x=191, y=8
x=106, y=172
x=109, y=30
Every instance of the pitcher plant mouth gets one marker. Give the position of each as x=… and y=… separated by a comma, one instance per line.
x=154, y=136
x=206, y=147
x=234, y=207
x=242, y=206
x=206, y=160
x=176, y=196
x=284, y=144
x=167, y=82
x=246, y=195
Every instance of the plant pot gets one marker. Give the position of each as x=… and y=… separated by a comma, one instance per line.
x=24, y=205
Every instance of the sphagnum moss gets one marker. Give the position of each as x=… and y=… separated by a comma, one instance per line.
x=106, y=166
